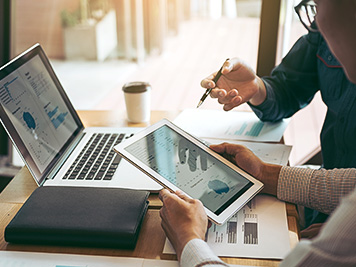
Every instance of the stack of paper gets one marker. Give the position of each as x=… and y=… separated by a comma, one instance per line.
x=233, y=125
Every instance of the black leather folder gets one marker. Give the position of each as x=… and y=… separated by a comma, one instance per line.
x=80, y=216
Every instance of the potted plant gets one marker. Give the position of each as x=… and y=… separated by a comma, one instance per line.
x=90, y=31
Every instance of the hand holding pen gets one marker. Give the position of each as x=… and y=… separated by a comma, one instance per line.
x=207, y=92
x=239, y=85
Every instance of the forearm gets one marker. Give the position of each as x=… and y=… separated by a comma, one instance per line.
x=317, y=189
x=293, y=83
x=281, y=100
x=335, y=244
x=260, y=96
x=197, y=253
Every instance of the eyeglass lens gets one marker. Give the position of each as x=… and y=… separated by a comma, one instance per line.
x=307, y=13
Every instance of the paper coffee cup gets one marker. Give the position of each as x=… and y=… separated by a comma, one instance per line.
x=138, y=101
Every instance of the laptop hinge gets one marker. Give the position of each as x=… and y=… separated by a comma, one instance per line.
x=64, y=157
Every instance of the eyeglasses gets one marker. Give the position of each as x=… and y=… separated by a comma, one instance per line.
x=306, y=11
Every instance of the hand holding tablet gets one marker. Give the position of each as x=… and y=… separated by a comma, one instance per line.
x=177, y=160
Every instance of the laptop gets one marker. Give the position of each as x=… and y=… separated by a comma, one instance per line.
x=49, y=135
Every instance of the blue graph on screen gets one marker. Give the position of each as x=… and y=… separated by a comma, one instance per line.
x=6, y=95
x=30, y=121
x=218, y=186
x=52, y=113
x=59, y=119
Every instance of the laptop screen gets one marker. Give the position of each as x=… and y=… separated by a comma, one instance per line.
x=36, y=112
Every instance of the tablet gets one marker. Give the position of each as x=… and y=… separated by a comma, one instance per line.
x=177, y=160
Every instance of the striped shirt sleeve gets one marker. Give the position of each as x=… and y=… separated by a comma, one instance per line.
x=317, y=189
x=197, y=253
x=335, y=244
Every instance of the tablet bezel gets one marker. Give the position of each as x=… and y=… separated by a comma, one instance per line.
x=229, y=211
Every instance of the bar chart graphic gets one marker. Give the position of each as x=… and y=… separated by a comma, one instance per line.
x=56, y=117
x=231, y=230
x=7, y=95
x=250, y=229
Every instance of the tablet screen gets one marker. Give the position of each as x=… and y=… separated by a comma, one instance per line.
x=190, y=168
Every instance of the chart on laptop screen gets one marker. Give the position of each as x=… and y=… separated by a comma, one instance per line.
x=37, y=111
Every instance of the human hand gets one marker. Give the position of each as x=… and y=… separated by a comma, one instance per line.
x=312, y=231
x=183, y=147
x=183, y=219
x=237, y=85
x=249, y=162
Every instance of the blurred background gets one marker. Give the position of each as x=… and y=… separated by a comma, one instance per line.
x=96, y=46
x=172, y=44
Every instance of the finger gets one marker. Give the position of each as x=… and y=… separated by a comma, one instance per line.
x=231, y=149
x=162, y=213
x=236, y=101
x=164, y=227
x=208, y=81
x=228, y=97
x=220, y=148
x=163, y=194
x=227, y=107
x=182, y=195
x=216, y=93
x=227, y=67
x=234, y=149
x=233, y=93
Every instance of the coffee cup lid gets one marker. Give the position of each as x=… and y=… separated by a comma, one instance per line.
x=136, y=87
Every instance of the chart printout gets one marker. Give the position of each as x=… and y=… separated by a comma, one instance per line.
x=190, y=168
x=258, y=230
x=233, y=125
x=37, y=111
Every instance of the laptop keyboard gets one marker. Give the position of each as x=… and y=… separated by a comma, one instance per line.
x=97, y=160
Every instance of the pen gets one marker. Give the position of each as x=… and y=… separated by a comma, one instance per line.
x=207, y=92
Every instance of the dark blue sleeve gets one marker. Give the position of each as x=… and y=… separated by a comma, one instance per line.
x=293, y=83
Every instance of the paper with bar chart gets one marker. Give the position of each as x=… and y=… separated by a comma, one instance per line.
x=259, y=230
x=233, y=125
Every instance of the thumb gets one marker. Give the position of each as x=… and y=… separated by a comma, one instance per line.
x=220, y=148
x=182, y=195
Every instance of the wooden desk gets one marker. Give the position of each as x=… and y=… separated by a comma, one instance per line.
x=151, y=239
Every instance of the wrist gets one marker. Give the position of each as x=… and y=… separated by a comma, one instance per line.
x=270, y=178
x=184, y=240
x=261, y=94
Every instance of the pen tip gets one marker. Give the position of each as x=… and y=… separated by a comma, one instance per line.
x=199, y=103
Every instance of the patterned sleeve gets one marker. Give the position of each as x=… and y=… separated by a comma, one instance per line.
x=335, y=244
x=197, y=253
x=317, y=189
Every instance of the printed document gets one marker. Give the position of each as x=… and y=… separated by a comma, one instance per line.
x=232, y=125
x=259, y=230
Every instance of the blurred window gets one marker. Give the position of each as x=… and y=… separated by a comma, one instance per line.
x=98, y=45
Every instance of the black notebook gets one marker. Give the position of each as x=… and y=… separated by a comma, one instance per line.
x=80, y=216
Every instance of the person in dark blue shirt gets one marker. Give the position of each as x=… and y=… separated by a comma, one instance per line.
x=309, y=67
